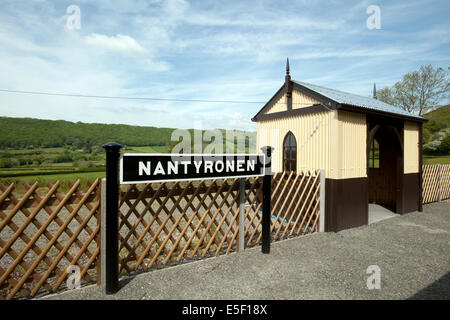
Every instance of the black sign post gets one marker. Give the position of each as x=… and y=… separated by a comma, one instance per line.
x=266, y=215
x=112, y=218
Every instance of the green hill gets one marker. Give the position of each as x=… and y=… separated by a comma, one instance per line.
x=21, y=133
x=438, y=119
x=440, y=115
x=26, y=132
x=33, y=149
x=436, y=130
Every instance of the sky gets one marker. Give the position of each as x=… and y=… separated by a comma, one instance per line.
x=207, y=50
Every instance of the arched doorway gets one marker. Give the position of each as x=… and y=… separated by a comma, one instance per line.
x=385, y=167
x=289, y=152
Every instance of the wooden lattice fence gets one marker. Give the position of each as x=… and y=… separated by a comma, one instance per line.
x=163, y=223
x=43, y=232
x=295, y=204
x=436, y=182
x=169, y=223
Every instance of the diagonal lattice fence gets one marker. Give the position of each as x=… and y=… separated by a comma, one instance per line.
x=164, y=224
x=435, y=182
x=168, y=223
x=43, y=232
x=295, y=204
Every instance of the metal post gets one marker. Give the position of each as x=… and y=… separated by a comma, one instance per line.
x=266, y=216
x=322, y=201
x=112, y=218
x=103, y=233
x=241, y=214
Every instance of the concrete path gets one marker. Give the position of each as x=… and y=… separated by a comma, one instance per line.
x=412, y=252
x=378, y=213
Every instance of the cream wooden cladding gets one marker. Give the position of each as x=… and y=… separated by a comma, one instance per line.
x=331, y=140
x=311, y=133
x=411, y=147
x=279, y=106
x=352, y=145
x=299, y=100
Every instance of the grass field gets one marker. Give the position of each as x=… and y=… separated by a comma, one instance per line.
x=43, y=180
x=79, y=165
x=153, y=149
x=436, y=159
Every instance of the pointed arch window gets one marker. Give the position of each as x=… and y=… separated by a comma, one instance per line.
x=374, y=155
x=289, y=152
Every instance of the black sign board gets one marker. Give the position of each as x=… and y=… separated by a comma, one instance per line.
x=144, y=168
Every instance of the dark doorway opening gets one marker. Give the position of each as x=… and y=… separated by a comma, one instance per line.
x=385, y=166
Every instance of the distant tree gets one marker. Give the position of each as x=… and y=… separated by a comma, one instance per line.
x=419, y=90
x=426, y=135
x=64, y=157
x=444, y=147
x=435, y=126
x=5, y=163
x=386, y=95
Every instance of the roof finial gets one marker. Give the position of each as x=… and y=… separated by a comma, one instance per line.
x=288, y=86
x=287, y=66
x=374, y=91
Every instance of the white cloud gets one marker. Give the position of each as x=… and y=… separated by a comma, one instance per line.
x=154, y=66
x=349, y=53
x=238, y=121
x=119, y=42
x=229, y=50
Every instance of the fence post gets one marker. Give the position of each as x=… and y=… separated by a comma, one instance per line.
x=111, y=220
x=439, y=182
x=102, y=232
x=241, y=214
x=322, y=201
x=266, y=216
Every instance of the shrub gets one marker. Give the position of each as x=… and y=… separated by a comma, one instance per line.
x=65, y=157
x=5, y=163
x=427, y=136
x=434, y=126
x=444, y=147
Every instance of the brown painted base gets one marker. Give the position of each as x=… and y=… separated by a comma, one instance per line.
x=346, y=203
x=411, y=193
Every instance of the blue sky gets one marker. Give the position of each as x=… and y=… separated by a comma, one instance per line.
x=210, y=50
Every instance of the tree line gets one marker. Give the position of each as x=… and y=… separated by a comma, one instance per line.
x=20, y=133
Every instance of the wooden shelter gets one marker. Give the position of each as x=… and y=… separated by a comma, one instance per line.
x=370, y=151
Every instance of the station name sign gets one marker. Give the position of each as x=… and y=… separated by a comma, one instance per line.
x=145, y=168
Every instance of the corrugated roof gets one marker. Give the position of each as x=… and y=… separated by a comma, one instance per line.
x=355, y=100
